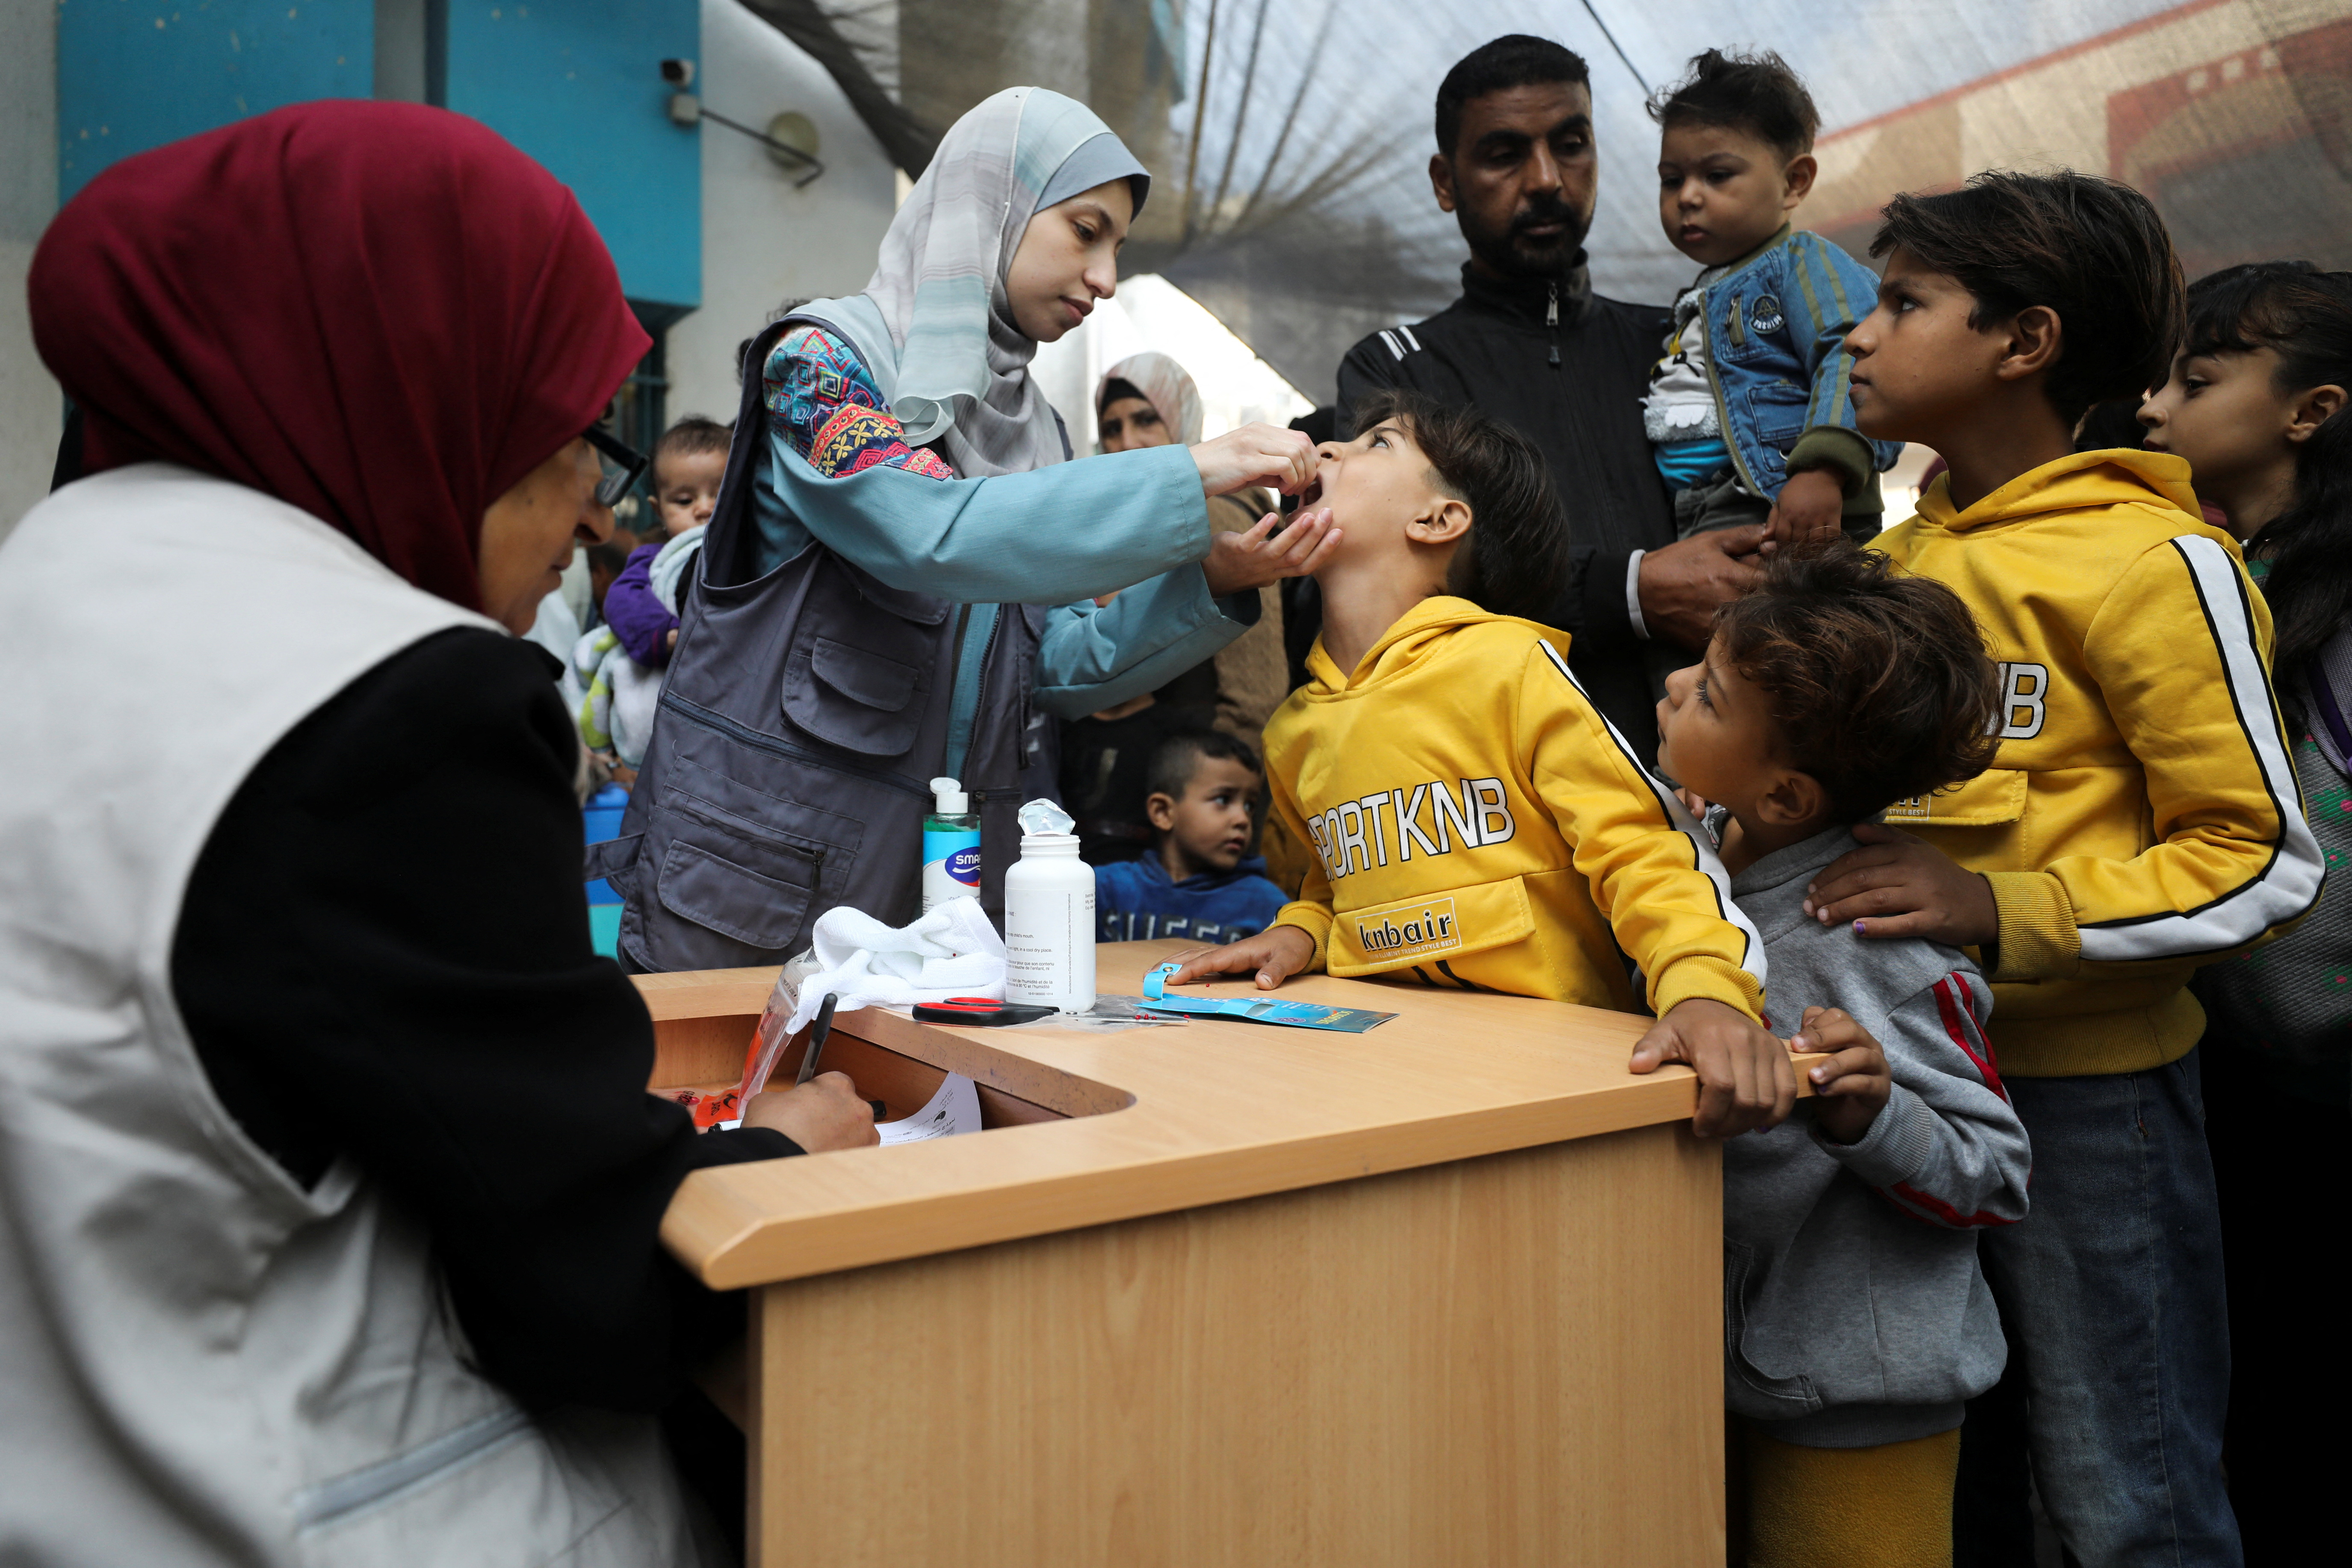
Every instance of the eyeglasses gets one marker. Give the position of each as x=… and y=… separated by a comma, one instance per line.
x=621, y=465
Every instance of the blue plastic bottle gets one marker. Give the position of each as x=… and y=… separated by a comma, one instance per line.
x=950, y=846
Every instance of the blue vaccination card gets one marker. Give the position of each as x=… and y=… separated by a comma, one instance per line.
x=1257, y=1009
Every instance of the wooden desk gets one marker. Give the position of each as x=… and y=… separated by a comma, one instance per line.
x=1447, y=1292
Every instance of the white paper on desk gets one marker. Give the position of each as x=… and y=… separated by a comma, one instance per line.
x=954, y=1109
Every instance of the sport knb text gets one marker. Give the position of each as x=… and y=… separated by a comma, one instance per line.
x=1357, y=835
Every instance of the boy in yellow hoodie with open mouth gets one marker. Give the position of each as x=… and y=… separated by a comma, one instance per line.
x=1476, y=822
x=2140, y=818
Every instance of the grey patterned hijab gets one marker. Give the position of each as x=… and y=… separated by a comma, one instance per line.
x=963, y=367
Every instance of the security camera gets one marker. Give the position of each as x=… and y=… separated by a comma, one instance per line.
x=677, y=73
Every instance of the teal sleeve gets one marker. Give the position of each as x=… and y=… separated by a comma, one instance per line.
x=1095, y=657
x=1071, y=532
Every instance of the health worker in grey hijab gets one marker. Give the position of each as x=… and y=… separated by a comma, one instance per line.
x=899, y=579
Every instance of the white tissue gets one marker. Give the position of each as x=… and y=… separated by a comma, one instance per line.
x=952, y=951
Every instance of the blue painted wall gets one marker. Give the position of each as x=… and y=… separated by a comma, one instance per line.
x=135, y=74
x=577, y=85
x=574, y=83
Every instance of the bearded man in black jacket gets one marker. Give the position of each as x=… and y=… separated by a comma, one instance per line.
x=1532, y=345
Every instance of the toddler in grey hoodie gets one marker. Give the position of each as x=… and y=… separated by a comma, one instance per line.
x=1856, y=1321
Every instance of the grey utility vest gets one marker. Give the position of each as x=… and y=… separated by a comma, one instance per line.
x=804, y=714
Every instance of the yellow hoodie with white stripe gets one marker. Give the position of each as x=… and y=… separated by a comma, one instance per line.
x=1477, y=824
x=2142, y=815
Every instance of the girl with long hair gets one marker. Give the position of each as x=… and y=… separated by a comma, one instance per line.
x=2256, y=403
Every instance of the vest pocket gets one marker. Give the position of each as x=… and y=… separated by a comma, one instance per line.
x=852, y=697
x=503, y=1492
x=761, y=912
x=325, y=1504
x=745, y=894
x=860, y=665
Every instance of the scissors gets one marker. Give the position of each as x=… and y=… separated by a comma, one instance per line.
x=981, y=1012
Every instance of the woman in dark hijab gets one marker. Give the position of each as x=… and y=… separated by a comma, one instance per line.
x=330, y=1183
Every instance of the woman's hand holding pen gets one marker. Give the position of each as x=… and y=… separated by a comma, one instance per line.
x=1269, y=552
x=824, y=1113
x=1276, y=955
x=1256, y=455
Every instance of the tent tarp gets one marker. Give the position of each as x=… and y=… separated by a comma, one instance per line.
x=1289, y=143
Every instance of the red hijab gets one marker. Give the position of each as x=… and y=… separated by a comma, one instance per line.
x=381, y=313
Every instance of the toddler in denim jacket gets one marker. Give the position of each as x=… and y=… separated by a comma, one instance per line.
x=1748, y=409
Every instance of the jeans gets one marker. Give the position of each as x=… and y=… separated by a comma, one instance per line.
x=1714, y=503
x=2111, y=1294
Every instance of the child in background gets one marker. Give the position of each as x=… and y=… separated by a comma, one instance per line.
x=1749, y=408
x=2141, y=819
x=1859, y=1320
x=2257, y=405
x=1478, y=825
x=1205, y=786
x=689, y=462
x=620, y=663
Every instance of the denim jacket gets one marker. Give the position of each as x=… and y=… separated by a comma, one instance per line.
x=1776, y=327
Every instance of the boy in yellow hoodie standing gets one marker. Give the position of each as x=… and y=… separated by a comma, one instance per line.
x=2140, y=818
x=1476, y=822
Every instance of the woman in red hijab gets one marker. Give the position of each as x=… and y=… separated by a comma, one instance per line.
x=330, y=1180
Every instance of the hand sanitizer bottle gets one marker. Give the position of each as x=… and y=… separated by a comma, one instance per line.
x=1049, y=915
x=950, y=846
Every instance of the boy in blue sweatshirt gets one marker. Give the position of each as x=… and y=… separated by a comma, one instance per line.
x=1748, y=409
x=1195, y=881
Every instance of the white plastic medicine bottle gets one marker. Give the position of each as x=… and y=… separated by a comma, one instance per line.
x=1049, y=924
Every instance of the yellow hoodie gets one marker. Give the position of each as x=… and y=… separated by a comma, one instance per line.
x=2142, y=816
x=1476, y=823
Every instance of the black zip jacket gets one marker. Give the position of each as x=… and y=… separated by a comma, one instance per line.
x=1569, y=369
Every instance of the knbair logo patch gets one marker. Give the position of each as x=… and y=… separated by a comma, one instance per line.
x=1410, y=931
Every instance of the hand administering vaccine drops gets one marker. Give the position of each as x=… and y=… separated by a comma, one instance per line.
x=1256, y=455
x=1262, y=455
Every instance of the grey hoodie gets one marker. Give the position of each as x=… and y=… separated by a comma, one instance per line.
x=1855, y=1313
